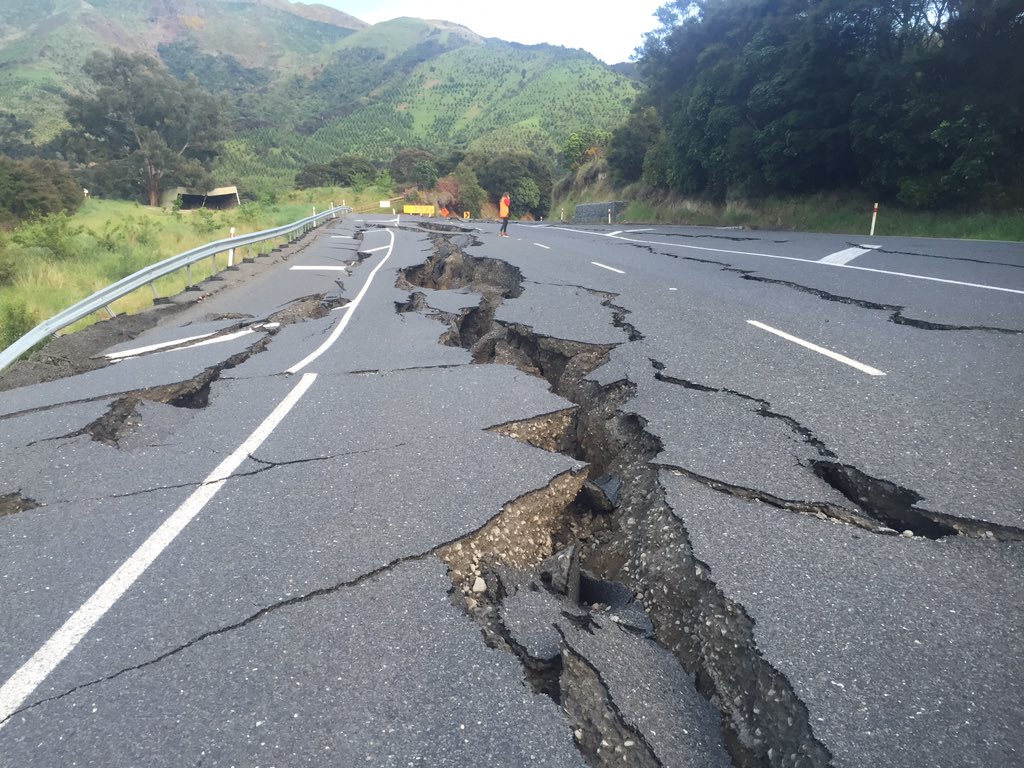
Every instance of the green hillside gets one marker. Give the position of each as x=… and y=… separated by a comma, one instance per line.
x=44, y=43
x=302, y=83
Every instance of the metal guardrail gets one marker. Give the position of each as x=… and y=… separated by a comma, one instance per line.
x=146, y=276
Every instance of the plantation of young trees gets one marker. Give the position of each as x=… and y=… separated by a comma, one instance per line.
x=919, y=101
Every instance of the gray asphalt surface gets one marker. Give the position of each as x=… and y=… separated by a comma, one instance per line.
x=303, y=616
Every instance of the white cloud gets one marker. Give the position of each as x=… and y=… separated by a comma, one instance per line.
x=610, y=32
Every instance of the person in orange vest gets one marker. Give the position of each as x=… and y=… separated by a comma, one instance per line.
x=503, y=212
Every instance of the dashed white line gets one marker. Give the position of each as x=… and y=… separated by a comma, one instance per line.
x=605, y=266
x=844, y=256
x=821, y=350
x=298, y=268
x=28, y=677
x=545, y=247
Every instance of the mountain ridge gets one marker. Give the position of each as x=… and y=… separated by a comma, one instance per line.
x=304, y=82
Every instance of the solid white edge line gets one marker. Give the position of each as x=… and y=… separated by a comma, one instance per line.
x=821, y=350
x=206, y=340
x=806, y=261
x=605, y=266
x=154, y=347
x=350, y=310
x=28, y=677
x=219, y=339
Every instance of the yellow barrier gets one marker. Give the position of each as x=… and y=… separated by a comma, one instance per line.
x=418, y=210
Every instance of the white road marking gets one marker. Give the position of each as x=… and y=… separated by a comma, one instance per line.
x=844, y=256
x=806, y=261
x=342, y=237
x=635, y=231
x=545, y=247
x=154, y=347
x=28, y=677
x=616, y=232
x=202, y=341
x=225, y=337
x=350, y=309
x=821, y=350
x=319, y=269
x=605, y=266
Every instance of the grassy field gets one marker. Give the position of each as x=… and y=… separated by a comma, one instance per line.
x=49, y=265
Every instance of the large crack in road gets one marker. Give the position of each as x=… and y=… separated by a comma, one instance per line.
x=637, y=540
x=640, y=543
x=598, y=555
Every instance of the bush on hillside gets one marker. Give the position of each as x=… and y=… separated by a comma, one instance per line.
x=35, y=187
x=54, y=234
x=15, y=321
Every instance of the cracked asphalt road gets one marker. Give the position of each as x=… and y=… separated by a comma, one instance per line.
x=301, y=615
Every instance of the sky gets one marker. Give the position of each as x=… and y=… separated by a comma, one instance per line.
x=610, y=35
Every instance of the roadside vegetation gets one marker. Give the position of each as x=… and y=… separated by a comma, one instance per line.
x=49, y=263
x=746, y=113
x=839, y=211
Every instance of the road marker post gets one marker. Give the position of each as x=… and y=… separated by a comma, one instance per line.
x=231, y=252
x=874, y=218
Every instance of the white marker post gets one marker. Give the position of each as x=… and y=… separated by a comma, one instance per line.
x=874, y=218
x=609, y=215
x=231, y=253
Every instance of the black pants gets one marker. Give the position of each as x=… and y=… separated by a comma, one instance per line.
x=504, y=225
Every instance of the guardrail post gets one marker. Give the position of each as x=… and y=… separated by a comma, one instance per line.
x=110, y=312
x=191, y=282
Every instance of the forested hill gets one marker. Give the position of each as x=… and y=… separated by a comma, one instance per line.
x=300, y=84
x=921, y=101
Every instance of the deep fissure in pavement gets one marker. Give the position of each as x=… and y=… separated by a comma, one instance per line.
x=638, y=542
x=895, y=311
x=122, y=417
x=880, y=505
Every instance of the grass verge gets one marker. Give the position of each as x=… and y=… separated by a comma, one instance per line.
x=50, y=264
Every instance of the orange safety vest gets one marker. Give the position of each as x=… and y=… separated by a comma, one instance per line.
x=503, y=207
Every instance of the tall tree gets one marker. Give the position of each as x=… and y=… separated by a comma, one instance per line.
x=143, y=130
x=511, y=171
x=921, y=100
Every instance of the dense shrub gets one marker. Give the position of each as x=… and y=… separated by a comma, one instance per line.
x=15, y=321
x=35, y=187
